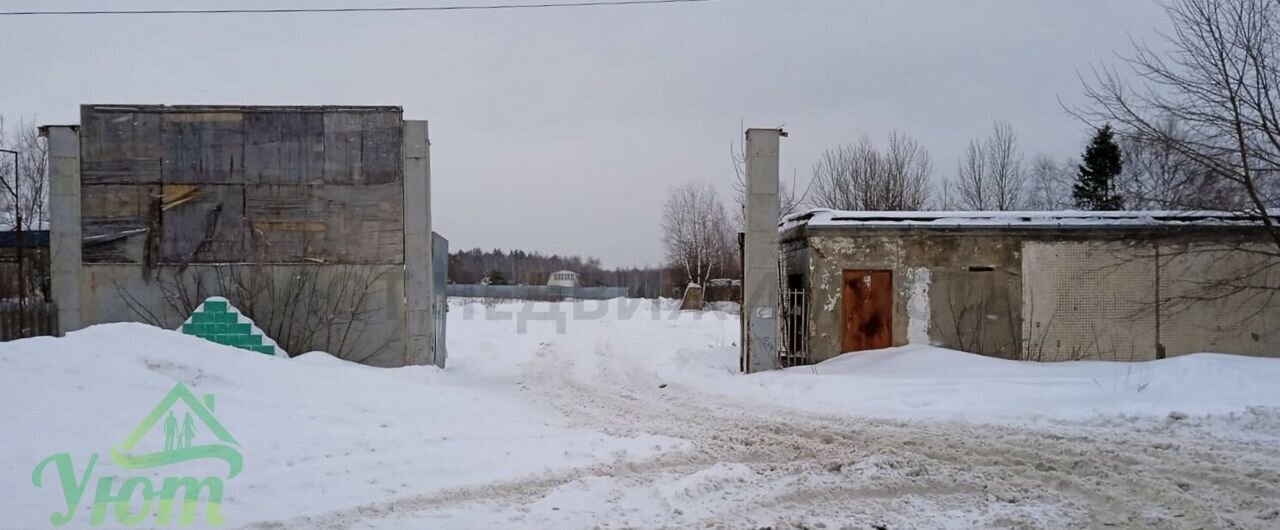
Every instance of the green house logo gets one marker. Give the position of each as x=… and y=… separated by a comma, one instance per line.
x=178, y=419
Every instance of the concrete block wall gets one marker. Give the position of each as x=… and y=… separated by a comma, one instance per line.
x=149, y=198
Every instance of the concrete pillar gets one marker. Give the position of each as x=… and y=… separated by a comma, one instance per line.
x=418, y=289
x=64, y=223
x=760, y=279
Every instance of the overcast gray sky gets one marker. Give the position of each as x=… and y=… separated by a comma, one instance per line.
x=560, y=129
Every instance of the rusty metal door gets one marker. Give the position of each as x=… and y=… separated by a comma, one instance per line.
x=868, y=310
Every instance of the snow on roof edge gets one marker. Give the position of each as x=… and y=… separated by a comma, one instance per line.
x=1066, y=218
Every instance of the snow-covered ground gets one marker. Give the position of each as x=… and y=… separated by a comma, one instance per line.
x=628, y=414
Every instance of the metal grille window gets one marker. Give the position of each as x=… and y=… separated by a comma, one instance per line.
x=795, y=343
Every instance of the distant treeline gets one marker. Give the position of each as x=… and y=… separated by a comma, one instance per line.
x=518, y=267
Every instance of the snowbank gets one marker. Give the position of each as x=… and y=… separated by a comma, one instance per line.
x=699, y=350
x=935, y=383
x=531, y=389
x=316, y=433
x=923, y=381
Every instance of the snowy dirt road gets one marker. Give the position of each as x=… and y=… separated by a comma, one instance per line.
x=754, y=464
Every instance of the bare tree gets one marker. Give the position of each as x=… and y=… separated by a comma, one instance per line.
x=23, y=195
x=28, y=191
x=696, y=232
x=861, y=177
x=1220, y=81
x=1157, y=176
x=1048, y=184
x=1005, y=163
x=1208, y=104
x=945, y=199
x=907, y=168
x=843, y=176
x=972, y=188
x=990, y=172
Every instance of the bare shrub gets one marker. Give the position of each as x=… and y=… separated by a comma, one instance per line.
x=302, y=307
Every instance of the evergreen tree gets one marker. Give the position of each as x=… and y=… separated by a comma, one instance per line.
x=1095, y=187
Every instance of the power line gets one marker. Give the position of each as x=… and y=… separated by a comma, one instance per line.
x=350, y=9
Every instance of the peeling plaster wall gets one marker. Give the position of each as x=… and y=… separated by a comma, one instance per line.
x=937, y=298
x=1050, y=295
x=918, y=314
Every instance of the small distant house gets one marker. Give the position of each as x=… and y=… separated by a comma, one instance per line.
x=1047, y=286
x=563, y=279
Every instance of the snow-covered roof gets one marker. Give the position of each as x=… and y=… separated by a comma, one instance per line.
x=1028, y=219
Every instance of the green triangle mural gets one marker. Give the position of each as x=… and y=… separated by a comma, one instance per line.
x=216, y=320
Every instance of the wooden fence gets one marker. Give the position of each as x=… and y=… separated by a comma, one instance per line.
x=33, y=319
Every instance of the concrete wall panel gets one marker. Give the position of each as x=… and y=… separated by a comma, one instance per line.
x=190, y=195
x=382, y=153
x=203, y=147
x=1204, y=308
x=119, y=147
x=205, y=157
x=284, y=148
x=362, y=147
x=1088, y=300
x=329, y=223
x=208, y=228
x=111, y=211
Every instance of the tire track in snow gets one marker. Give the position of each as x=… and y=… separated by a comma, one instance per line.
x=1109, y=478
x=808, y=468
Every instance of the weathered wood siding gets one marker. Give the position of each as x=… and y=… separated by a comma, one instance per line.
x=180, y=185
